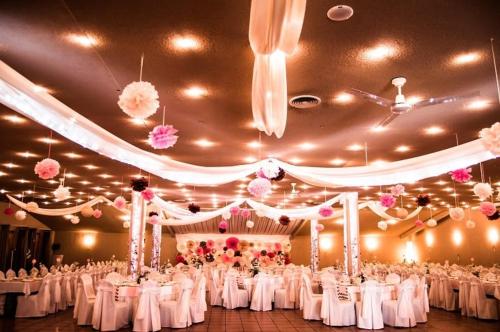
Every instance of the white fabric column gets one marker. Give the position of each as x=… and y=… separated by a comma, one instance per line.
x=136, y=234
x=314, y=246
x=155, y=255
x=351, y=233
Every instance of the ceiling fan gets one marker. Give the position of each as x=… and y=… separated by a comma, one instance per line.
x=400, y=105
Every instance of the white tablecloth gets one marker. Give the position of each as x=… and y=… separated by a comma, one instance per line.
x=20, y=286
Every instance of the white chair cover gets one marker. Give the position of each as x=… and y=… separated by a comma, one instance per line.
x=11, y=274
x=284, y=298
x=434, y=291
x=479, y=305
x=198, y=304
x=262, y=297
x=448, y=299
x=22, y=273
x=421, y=301
x=334, y=310
x=34, y=272
x=464, y=295
x=36, y=305
x=215, y=289
x=310, y=303
x=400, y=312
x=393, y=278
x=55, y=292
x=147, y=317
x=176, y=314
x=108, y=315
x=369, y=310
x=85, y=300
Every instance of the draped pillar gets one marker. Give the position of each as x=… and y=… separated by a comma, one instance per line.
x=351, y=233
x=314, y=246
x=155, y=255
x=136, y=234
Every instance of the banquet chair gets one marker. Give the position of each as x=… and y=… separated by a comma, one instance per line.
x=215, y=289
x=464, y=295
x=448, y=299
x=10, y=274
x=114, y=277
x=2, y=296
x=399, y=313
x=421, y=301
x=480, y=305
x=108, y=314
x=198, y=304
x=34, y=272
x=262, y=297
x=369, y=309
x=44, y=271
x=22, y=273
x=232, y=296
x=434, y=291
x=284, y=298
x=309, y=303
x=176, y=314
x=66, y=292
x=36, y=305
x=55, y=292
x=147, y=316
x=337, y=309
x=86, y=301
x=393, y=278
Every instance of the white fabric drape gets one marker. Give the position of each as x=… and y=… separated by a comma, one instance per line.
x=18, y=93
x=380, y=211
x=274, y=32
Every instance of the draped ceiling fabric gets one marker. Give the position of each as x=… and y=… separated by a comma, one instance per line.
x=274, y=33
x=18, y=93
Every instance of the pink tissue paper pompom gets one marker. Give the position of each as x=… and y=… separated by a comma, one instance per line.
x=235, y=210
x=148, y=194
x=120, y=203
x=139, y=100
x=461, y=175
x=97, y=213
x=154, y=219
x=260, y=174
x=487, y=208
x=210, y=244
x=245, y=213
x=47, y=168
x=163, y=137
x=490, y=137
x=387, y=200
x=419, y=223
x=232, y=242
x=397, y=190
x=259, y=187
x=320, y=227
x=325, y=211
x=223, y=224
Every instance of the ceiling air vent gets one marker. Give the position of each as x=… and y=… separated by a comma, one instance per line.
x=304, y=101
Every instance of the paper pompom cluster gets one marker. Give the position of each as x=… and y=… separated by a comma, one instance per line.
x=139, y=100
x=61, y=193
x=87, y=211
x=457, y=213
x=419, y=223
x=483, y=190
x=245, y=213
x=487, y=208
x=259, y=187
x=387, y=200
x=47, y=168
x=193, y=208
x=325, y=211
x=74, y=220
x=163, y=137
x=423, y=200
x=148, y=194
x=234, y=211
x=397, y=190
x=269, y=170
x=490, y=137
x=461, y=175
x=120, y=203
x=139, y=184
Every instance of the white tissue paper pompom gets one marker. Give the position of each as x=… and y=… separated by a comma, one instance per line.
x=270, y=170
x=226, y=215
x=483, y=190
x=139, y=100
x=431, y=223
x=490, y=137
x=75, y=220
x=61, y=193
x=382, y=225
x=457, y=213
x=31, y=206
x=250, y=224
x=20, y=215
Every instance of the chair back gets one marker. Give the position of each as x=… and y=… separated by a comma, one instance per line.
x=371, y=297
x=393, y=278
x=147, y=317
x=87, y=285
x=406, y=294
x=104, y=304
x=184, y=301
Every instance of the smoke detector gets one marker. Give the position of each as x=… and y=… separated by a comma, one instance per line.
x=304, y=101
x=340, y=13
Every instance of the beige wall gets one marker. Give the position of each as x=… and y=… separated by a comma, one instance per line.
x=106, y=245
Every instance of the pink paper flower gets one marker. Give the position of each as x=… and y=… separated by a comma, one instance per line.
x=199, y=251
x=120, y=203
x=234, y=210
x=277, y=246
x=47, y=168
x=487, y=208
x=97, y=213
x=419, y=223
x=148, y=194
x=210, y=244
x=259, y=187
x=163, y=137
x=232, y=243
x=387, y=200
x=325, y=211
x=223, y=224
x=397, y=190
x=461, y=175
x=245, y=213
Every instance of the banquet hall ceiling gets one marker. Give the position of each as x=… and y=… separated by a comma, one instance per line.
x=425, y=36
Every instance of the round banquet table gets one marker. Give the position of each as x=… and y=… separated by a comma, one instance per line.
x=388, y=291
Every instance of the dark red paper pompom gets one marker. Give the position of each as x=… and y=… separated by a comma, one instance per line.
x=280, y=176
x=153, y=214
x=284, y=220
x=9, y=211
x=194, y=208
x=494, y=216
x=139, y=184
x=423, y=200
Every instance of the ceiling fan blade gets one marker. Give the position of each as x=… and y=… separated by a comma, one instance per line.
x=371, y=97
x=387, y=120
x=444, y=100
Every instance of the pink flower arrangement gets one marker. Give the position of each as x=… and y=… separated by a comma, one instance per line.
x=97, y=213
x=234, y=210
x=419, y=223
x=148, y=194
x=277, y=246
x=163, y=137
x=397, y=190
x=199, y=251
x=325, y=211
x=232, y=242
x=259, y=187
x=47, y=168
x=210, y=244
x=245, y=213
x=461, y=175
x=487, y=208
x=387, y=200
x=120, y=203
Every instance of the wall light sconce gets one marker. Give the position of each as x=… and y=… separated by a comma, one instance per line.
x=88, y=240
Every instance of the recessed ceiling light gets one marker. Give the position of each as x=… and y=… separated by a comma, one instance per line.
x=185, y=43
x=479, y=104
x=47, y=140
x=296, y=160
x=250, y=159
x=379, y=162
x=343, y=98
x=195, y=92
x=441, y=182
x=71, y=175
x=14, y=119
x=337, y=161
x=402, y=148
x=306, y=146
x=138, y=122
x=2, y=173
x=465, y=58
x=379, y=53
x=22, y=181
x=26, y=154
x=72, y=155
x=10, y=165
x=355, y=147
x=254, y=144
x=41, y=89
x=412, y=100
x=90, y=166
x=105, y=176
x=434, y=130
x=84, y=40
x=204, y=143
x=378, y=129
